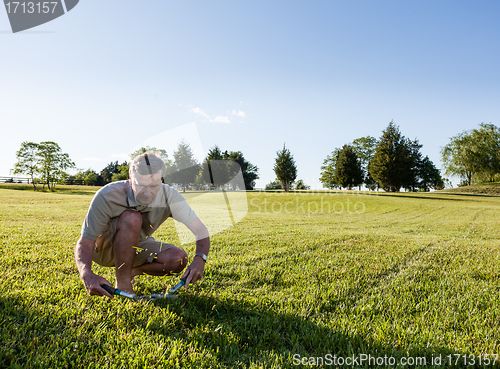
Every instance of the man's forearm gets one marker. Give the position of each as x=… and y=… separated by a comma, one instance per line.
x=84, y=251
x=83, y=257
x=203, y=246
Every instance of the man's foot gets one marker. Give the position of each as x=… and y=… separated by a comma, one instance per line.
x=126, y=287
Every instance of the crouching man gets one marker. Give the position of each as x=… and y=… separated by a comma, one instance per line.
x=120, y=221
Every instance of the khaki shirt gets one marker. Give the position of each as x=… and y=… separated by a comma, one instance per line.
x=113, y=199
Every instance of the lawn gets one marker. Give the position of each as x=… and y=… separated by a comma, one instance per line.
x=299, y=277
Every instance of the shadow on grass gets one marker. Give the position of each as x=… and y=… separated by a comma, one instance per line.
x=22, y=334
x=433, y=197
x=76, y=192
x=239, y=332
x=471, y=194
x=35, y=334
x=62, y=189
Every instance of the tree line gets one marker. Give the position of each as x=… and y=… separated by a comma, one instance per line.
x=46, y=164
x=391, y=162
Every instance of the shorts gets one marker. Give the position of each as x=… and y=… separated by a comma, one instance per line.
x=146, y=251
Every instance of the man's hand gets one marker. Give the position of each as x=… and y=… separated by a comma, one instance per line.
x=92, y=283
x=194, y=271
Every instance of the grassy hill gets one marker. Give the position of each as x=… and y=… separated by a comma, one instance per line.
x=302, y=275
x=492, y=189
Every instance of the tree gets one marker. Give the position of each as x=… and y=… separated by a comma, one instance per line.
x=474, y=154
x=214, y=170
x=348, y=172
x=88, y=177
x=184, y=168
x=364, y=147
x=411, y=181
x=122, y=173
x=44, y=159
x=199, y=183
x=274, y=185
x=430, y=176
x=328, y=170
x=461, y=157
x=92, y=179
x=161, y=153
x=108, y=171
x=248, y=170
x=219, y=168
x=52, y=163
x=393, y=164
x=300, y=185
x=285, y=168
x=27, y=161
x=487, y=137
x=215, y=153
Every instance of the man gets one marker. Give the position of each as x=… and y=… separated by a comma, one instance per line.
x=118, y=227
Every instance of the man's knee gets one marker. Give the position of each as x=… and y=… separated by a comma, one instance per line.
x=183, y=259
x=179, y=258
x=130, y=219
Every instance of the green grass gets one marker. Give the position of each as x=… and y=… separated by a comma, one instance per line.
x=396, y=275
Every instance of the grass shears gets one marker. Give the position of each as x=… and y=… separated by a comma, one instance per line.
x=169, y=295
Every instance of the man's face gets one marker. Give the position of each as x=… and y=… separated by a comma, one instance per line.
x=145, y=187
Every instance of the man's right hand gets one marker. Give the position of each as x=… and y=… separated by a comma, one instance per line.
x=92, y=283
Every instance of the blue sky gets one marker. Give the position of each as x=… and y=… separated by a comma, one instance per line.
x=251, y=75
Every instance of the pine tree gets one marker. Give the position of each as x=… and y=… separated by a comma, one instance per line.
x=248, y=170
x=185, y=167
x=213, y=170
x=394, y=161
x=220, y=168
x=430, y=177
x=285, y=168
x=348, y=172
x=411, y=180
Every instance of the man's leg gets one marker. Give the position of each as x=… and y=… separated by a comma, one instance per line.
x=128, y=231
x=173, y=260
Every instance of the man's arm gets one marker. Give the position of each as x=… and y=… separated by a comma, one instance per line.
x=83, y=256
x=195, y=270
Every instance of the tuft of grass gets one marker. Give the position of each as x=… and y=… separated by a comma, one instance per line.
x=305, y=274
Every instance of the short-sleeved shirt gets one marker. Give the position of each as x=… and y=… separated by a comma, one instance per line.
x=113, y=199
